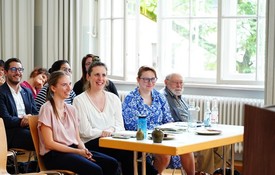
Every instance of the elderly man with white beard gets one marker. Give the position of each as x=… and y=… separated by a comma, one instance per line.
x=207, y=160
x=173, y=92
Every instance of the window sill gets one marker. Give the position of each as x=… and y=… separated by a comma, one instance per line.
x=243, y=91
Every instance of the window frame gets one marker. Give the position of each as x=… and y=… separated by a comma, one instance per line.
x=159, y=59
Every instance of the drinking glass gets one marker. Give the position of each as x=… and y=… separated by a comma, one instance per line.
x=193, y=117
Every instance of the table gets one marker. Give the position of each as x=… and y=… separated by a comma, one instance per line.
x=184, y=142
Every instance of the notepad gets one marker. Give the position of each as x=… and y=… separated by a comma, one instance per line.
x=124, y=134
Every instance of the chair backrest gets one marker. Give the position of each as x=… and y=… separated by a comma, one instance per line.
x=3, y=148
x=33, y=122
x=259, y=141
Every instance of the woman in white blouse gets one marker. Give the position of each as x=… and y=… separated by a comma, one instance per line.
x=100, y=115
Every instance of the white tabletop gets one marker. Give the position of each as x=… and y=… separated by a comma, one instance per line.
x=182, y=143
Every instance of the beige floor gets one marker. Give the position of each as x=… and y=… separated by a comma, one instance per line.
x=170, y=172
x=25, y=157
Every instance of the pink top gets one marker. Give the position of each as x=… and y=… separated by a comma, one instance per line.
x=64, y=130
x=27, y=85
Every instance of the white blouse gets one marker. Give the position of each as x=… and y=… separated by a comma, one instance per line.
x=93, y=121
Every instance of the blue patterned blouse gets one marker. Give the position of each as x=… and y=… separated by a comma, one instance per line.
x=157, y=114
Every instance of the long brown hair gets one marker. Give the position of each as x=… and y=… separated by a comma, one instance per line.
x=54, y=77
x=84, y=71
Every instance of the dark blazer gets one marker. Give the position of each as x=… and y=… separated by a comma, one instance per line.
x=8, y=109
x=173, y=107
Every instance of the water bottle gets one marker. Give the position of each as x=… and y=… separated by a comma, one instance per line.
x=215, y=113
x=142, y=125
x=207, y=114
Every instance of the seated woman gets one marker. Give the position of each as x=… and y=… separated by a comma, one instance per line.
x=100, y=116
x=59, y=141
x=145, y=100
x=38, y=78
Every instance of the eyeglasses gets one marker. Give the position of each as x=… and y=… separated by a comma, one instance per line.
x=15, y=69
x=67, y=69
x=147, y=80
x=176, y=82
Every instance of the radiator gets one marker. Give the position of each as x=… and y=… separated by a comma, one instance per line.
x=230, y=109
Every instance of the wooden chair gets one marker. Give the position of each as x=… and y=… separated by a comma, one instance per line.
x=33, y=122
x=4, y=151
x=259, y=141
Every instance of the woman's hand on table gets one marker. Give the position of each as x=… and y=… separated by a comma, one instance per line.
x=106, y=133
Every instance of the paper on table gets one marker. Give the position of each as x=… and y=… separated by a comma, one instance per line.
x=177, y=127
x=131, y=134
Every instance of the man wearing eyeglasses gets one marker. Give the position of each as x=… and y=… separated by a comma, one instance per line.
x=173, y=93
x=16, y=105
x=207, y=160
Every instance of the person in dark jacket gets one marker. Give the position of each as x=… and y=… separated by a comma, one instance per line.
x=79, y=86
x=16, y=104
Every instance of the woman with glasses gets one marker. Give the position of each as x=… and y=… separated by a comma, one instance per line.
x=145, y=100
x=79, y=86
x=41, y=96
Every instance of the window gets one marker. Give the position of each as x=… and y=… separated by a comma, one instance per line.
x=208, y=41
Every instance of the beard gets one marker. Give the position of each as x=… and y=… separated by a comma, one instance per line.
x=177, y=92
x=14, y=81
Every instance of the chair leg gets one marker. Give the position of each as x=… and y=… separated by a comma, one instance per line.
x=12, y=154
x=31, y=153
x=20, y=152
